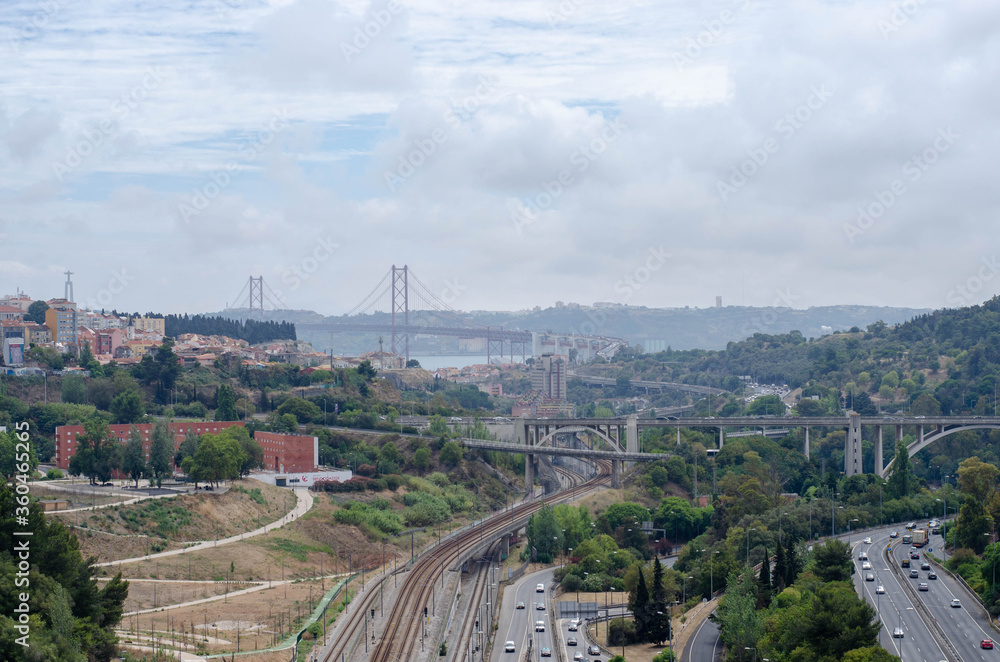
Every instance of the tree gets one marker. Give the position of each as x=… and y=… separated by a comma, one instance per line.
x=978, y=479
x=225, y=409
x=98, y=453
x=764, y=582
x=161, y=450
x=925, y=405
x=127, y=407
x=366, y=371
x=793, y=565
x=832, y=561
x=13, y=459
x=544, y=535
x=780, y=569
x=767, y=405
x=839, y=621
x=740, y=624
x=134, y=457
x=413, y=363
x=809, y=407
x=451, y=454
x=73, y=389
x=437, y=426
x=36, y=312
x=422, y=458
x=253, y=454
x=658, y=617
x=638, y=604
x=219, y=457
x=901, y=480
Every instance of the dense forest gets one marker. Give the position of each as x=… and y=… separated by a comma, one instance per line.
x=252, y=331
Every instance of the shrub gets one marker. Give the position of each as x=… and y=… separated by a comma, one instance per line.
x=571, y=583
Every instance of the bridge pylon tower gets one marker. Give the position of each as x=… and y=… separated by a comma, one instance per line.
x=400, y=309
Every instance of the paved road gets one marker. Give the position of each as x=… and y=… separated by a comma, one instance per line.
x=704, y=645
x=517, y=625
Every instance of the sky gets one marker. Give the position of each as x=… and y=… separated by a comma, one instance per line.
x=512, y=153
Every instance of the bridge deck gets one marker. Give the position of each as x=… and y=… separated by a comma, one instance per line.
x=505, y=447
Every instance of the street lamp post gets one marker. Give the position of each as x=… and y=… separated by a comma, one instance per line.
x=754, y=649
x=684, y=595
x=849, y=531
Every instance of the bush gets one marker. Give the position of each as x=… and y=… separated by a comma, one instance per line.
x=373, y=521
x=621, y=632
x=571, y=583
x=53, y=474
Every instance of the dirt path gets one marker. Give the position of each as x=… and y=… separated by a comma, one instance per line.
x=302, y=506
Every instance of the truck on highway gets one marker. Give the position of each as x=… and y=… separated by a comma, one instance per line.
x=919, y=537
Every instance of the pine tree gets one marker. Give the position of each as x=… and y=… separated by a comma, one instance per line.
x=764, y=582
x=658, y=619
x=780, y=570
x=638, y=604
x=793, y=565
x=226, y=404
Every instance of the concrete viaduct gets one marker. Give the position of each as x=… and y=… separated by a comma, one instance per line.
x=622, y=435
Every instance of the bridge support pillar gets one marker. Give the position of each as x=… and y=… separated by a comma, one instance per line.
x=878, y=453
x=678, y=435
x=529, y=473
x=616, y=474
x=631, y=437
x=722, y=438
x=805, y=447
x=852, y=447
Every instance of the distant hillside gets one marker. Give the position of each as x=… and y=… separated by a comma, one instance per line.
x=653, y=328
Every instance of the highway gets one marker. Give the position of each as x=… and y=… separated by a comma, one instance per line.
x=518, y=625
x=964, y=626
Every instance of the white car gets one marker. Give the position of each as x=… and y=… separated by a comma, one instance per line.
x=870, y=577
x=866, y=566
x=880, y=589
x=456, y=419
x=539, y=626
x=862, y=555
x=868, y=540
x=540, y=588
x=956, y=603
x=508, y=647
x=897, y=633
x=578, y=656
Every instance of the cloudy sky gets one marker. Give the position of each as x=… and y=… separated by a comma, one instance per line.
x=512, y=152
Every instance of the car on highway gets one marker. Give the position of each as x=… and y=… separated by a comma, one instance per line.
x=456, y=419
x=546, y=651
x=925, y=566
x=914, y=574
x=508, y=647
x=870, y=577
x=573, y=627
x=894, y=534
x=880, y=589
x=571, y=640
x=539, y=626
x=862, y=555
x=578, y=656
x=931, y=575
x=868, y=540
x=956, y=603
x=914, y=556
x=539, y=588
x=866, y=565
x=540, y=606
x=520, y=605
x=897, y=633
x=923, y=586
x=987, y=644
x=594, y=650
x=911, y=526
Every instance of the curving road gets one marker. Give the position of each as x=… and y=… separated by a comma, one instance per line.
x=518, y=625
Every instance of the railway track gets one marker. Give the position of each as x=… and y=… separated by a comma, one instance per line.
x=403, y=627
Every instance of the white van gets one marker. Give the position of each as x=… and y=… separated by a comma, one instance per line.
x=539, y=626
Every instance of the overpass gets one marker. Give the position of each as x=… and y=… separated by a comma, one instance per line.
x=623, y=434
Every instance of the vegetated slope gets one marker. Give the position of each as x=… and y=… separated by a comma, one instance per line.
x=120, y=532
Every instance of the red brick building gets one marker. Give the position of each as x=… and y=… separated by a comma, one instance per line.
x=288, y=453
x=66, y=435
x=293, y=453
